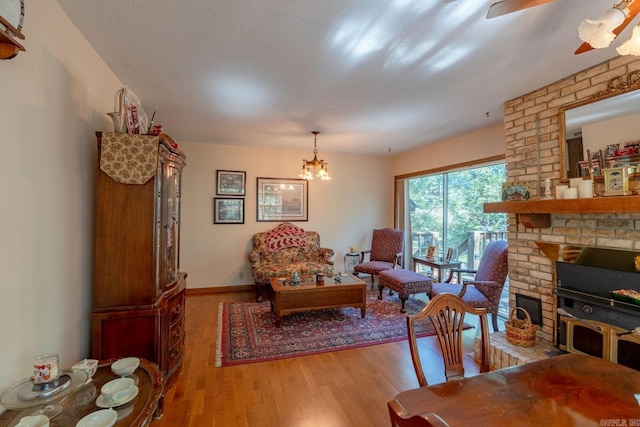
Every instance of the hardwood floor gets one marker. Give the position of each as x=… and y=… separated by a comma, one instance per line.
x=343, y=388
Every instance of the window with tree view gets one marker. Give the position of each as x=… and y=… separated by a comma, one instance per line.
x=445, y=210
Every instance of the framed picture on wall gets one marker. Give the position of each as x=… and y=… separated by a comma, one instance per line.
x=228, y=210
x=282, y=199
x=516, y=191
x=230, y=183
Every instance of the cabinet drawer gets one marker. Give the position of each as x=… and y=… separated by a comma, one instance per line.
x=175, y=355
x=176, y=308
x=176, y=332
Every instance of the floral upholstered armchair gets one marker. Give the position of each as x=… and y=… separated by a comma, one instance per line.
x=285, y=250
x=385, y=253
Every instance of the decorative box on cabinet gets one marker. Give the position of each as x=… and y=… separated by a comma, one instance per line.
x=138, y=289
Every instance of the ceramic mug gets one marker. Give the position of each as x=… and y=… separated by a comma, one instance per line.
x=45, y=368
x=90, y=366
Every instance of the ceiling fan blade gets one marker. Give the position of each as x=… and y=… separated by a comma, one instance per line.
x=584, y=47
x=634, y=9
x=508, y=6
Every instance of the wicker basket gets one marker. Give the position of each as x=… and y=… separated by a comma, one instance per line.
x=520, y=332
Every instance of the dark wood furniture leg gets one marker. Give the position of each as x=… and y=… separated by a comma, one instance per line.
x=259, y=286
x=258, y=292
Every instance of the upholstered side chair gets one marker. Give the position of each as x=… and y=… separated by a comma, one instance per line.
x=385, y=253
x=447, y=312
x=486, y=287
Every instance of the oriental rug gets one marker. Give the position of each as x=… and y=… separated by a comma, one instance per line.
x=247, y=331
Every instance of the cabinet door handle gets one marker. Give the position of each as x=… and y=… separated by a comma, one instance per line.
x=177, y=309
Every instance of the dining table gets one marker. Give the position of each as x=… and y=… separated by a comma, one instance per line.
x=565, y=390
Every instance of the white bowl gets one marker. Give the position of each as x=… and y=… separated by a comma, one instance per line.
x=102, y=418
x=126, y=366
x=90, y=366
x=115, y=390
x=33, y=421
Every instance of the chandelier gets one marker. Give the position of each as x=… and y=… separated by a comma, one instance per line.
x=601, y=32
x=315, y=167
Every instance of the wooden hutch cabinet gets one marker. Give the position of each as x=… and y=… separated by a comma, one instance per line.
x=138, y=289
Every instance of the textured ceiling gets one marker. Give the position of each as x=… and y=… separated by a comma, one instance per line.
x=371, y=75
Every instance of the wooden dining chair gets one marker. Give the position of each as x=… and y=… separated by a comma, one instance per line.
x=447, y=312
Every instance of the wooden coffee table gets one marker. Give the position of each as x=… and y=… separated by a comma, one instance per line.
x=289, y=298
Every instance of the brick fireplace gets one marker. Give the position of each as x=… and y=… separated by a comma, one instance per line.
x=533, y=154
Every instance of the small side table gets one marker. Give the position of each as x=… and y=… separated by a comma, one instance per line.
x=434, y=264
x=350, y=260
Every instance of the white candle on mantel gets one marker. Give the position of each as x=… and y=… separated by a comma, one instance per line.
x=571, y=193
x=585, y=189
x=560, y=189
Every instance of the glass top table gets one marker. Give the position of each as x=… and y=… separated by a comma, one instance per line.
x=80, y=398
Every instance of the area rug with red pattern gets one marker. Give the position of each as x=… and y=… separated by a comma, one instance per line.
x=247, y=331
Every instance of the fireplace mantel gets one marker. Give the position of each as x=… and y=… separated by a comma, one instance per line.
x=537, y=213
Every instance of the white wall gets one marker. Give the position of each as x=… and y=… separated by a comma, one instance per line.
x=344, y=210
x=597, y=136
x=54, y=97
x=480, y=144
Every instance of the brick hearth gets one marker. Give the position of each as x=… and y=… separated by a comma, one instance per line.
x=504, y=354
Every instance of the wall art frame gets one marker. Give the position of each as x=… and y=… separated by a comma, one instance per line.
x=586, y=171
x=610, y=150
x=447, y=258
x=430, y=252
x=514, y=191
x=228, y=210
x=282, y=199
x=231, y=183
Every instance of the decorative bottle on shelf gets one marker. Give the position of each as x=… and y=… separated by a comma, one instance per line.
x=547, y=188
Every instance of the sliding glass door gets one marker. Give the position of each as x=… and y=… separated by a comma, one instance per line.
x=445, y=210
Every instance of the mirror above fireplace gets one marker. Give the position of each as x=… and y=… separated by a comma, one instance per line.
x=598, y=121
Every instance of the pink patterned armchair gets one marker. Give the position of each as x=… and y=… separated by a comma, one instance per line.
x=485, y=289
x=385, y=253
x=285, y=250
